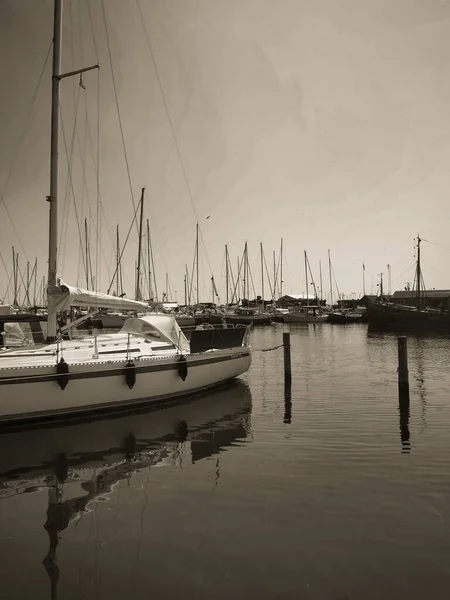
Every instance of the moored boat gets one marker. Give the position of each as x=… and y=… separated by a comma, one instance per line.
x=305, y=314
x=389, y=316
x=248, y=316
x=149, y=360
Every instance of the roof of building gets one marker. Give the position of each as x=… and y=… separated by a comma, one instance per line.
x=296, y=296
x=409, y=294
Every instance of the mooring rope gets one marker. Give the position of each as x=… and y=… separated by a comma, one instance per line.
x=267, y=349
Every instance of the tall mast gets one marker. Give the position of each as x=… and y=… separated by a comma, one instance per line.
x=167, y=287
x=86, y=251
x=320, y=274
x=306, y=279
x=274, y=277
x=331, y=280
x=196, y=261
x=262, y=276
x=35, y=282
x=27, y=295
x=238, y=281
x=364, y=279
x=138, y=273
x=281, y=269
x=418, y=273
x=149, y=263
x=185, y=287
x=53, y=197
x=153, y=263
x=14, y=277
x=187, y=291
x=117, y=261
x=389, y=279
x=226, y=275
x=247, y=278
x=54, y=135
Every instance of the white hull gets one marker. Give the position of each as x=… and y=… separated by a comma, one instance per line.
x=33, y=392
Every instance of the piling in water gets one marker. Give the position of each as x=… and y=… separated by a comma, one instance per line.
x=403, y=377
x=287, y=358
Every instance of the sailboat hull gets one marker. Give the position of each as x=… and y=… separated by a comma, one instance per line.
x=33, y=393
x=394, y=317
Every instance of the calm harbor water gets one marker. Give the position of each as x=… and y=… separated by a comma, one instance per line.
x=330, y=493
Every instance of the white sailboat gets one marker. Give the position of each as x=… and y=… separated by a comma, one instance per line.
x=149, y=361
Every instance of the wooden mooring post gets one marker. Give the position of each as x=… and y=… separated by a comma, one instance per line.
x=403, y=376
x=287, y=358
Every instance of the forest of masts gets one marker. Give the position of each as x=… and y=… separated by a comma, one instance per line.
x=25, y=289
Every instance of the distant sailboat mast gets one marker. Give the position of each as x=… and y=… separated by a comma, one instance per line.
x=331, y=279
x=418, y=274
x=262, y=276
x=138, y=294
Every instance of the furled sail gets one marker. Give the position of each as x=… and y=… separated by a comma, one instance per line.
x=62, y=296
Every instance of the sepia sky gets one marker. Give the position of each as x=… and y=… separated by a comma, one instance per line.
x=322, y=122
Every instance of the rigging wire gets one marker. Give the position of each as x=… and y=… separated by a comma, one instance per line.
x=435, y=244
x=172, y=129
x=122, y=250
x=118, y=111
x=63, y=232
x=69, y=167
x=19, y=145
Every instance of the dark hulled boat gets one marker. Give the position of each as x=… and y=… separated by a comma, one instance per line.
x=388, y=316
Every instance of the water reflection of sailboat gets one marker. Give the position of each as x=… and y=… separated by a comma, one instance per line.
x=94, y=457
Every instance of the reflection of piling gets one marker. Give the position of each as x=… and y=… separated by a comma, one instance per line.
x=403, y=405
x=287, y=359
x=403, y=393
x=403, y=382
x=287, y=405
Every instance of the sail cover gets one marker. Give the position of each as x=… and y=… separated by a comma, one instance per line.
x=62, y=296
x=163, y=327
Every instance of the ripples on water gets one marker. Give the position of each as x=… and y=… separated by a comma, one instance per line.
x=331, y=492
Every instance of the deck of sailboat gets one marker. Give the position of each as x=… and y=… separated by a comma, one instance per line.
x=108, y=347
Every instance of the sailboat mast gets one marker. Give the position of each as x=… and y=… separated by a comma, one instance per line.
x=149, y=264
x=86, y=251
x=188, y=289
x=306, y=278
x=274, y=277
x=331, y=280
x=262, y=276
x=364, y=279
x=27, y=294
x=185, y=287
x=418, y=273
x=35, y=282
x=117, y=261
x=238, y=281
x=14, y=277
x=196, y=261
x=320, y=274
x=226, y=275
x=138, y=274
x=281, y=269
x=53, y=197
